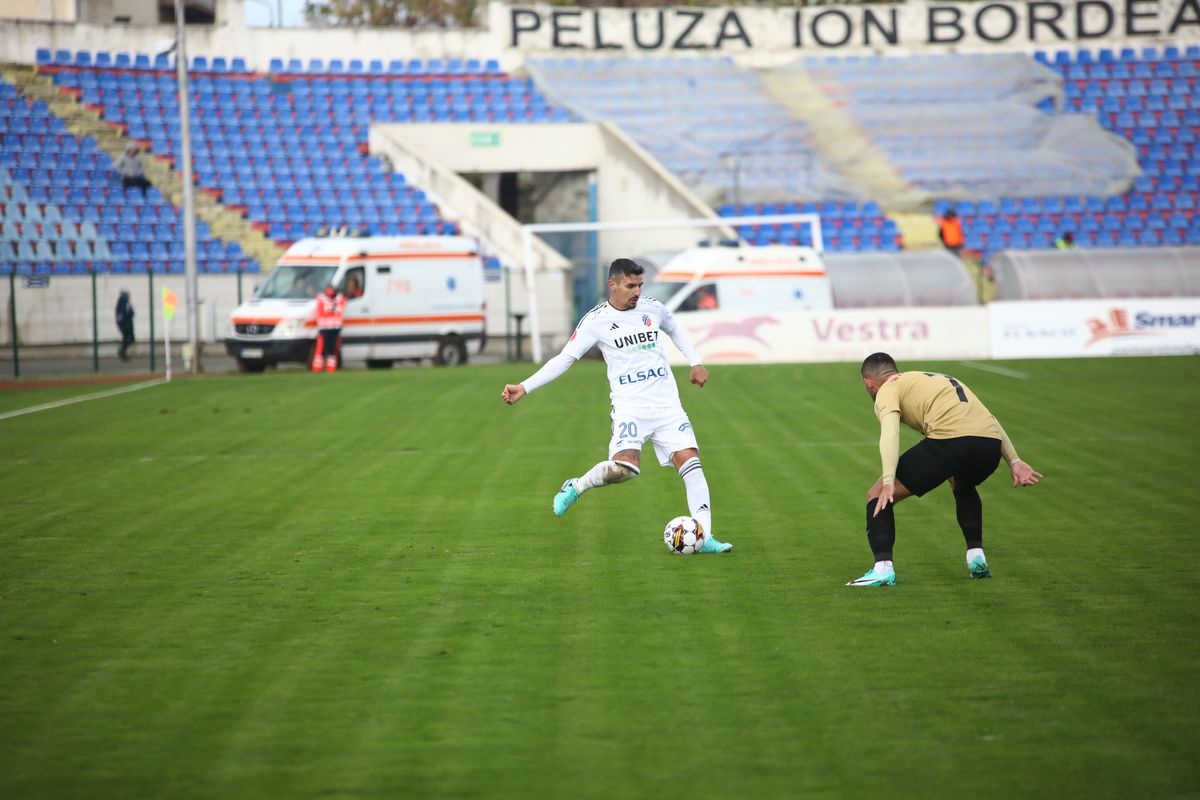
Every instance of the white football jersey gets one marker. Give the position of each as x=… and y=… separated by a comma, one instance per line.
x=632, y=345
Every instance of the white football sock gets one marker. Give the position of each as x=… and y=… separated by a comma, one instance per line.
x=604, y=473
x=697, y=492
x=883, y=567
x=975, y=551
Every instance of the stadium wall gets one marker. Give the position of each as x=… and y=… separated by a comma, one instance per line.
x=20, y=40
x=782, y=33
x=53, y=310
x=49, y=10
x=755, y=36
x=406, y=149
x=631, y=185
x=57, y=309
x=60, y=312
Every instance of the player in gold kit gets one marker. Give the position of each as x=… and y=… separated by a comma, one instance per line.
x=963, y=444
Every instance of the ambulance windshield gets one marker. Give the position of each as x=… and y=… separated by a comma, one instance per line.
x=662, y=291
x=296, y=283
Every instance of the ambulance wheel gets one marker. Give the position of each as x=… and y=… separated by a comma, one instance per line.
x=250, y=366
x=451, y=352
x=379, y=363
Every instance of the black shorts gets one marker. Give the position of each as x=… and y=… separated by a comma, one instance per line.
x=928, y=463
x=329, y=340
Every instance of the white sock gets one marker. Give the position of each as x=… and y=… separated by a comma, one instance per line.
x=883, y=567
x=604, y=473
x=975, y=551
x=697, y=492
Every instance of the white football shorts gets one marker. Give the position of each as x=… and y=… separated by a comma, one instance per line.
x=669, y=429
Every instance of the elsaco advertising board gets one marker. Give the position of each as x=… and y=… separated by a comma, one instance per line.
x=1072, y=328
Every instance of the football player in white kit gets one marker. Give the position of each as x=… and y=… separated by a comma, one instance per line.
x=645, y=399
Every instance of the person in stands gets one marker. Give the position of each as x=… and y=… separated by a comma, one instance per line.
x=950, y=231
x=133, y=173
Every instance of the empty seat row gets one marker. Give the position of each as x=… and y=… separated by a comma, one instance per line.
x=1107, y=55
x=246, y=266
x=219, y=64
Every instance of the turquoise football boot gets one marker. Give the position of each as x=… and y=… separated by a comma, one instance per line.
x=874, y=578
x=978, y=568
x=567, y=496
x=711, y=545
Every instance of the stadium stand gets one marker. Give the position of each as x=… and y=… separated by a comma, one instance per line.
x=1149, y=98
x=976, y=126
x=707, y=120
x=1024, y=149
x=288, y=149
x=714, y=126
x=845, y=227
x=64, y=209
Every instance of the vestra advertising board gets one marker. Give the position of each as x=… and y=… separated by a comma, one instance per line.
x=850, y=335
x=1069, y=328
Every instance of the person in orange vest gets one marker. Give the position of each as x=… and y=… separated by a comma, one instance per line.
x=330, y=308
x=950, y=232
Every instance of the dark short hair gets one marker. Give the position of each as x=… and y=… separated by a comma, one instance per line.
x=624, y=266
x=878, y=364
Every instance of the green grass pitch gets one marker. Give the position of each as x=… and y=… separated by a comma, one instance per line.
x=352, y=585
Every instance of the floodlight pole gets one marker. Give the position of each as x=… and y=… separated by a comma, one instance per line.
x=191, y=286
x=527, y=231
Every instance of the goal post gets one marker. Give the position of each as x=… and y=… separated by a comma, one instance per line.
x=529, y=230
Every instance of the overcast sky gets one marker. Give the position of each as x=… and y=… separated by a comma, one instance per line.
x=261, y=12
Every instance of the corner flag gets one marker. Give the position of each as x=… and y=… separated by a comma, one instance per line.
x=170, y=301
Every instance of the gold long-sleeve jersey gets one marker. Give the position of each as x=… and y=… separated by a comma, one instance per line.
x=936, y=405
x=939, y=407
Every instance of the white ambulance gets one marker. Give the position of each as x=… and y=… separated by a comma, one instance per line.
x=407, y=297
x=743, y=280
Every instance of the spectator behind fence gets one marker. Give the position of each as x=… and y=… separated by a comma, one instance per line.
x=950, y=232
x=1065, y=242
x=130, y=168
x=125, y=324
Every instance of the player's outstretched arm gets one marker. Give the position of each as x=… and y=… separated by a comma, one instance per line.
x=512, y=393
x=1023, y=474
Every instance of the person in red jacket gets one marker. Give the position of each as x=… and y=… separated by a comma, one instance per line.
x=330, y=308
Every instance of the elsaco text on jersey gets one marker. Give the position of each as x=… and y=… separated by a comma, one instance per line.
x=642, y=375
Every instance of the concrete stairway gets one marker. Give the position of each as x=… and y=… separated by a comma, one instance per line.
x=224, y=223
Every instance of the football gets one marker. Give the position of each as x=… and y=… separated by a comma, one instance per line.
x=684, y=536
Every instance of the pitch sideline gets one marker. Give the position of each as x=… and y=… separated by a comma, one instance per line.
x=81, y=399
